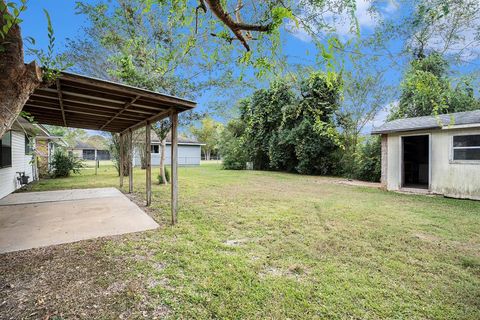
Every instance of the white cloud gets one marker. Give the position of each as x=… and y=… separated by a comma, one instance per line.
x=342, y=23
x=380, y=118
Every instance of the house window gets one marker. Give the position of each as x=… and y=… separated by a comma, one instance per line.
x=6, y=150
x=466, y=147
x=155, y=148
x=28, y=145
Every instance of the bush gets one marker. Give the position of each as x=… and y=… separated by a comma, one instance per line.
x=167, y=176
x=369, y=163
x=63, y=164
x=232, y=146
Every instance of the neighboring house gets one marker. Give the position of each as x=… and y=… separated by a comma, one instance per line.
x=189, y=151
x=87, y=151
x=17, y=156
x=45, y=147
x=437, y=154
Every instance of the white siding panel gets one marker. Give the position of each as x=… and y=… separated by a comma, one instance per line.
x=188, y=155
x=20, y=163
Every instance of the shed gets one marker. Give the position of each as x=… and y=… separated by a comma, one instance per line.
x=433, y=154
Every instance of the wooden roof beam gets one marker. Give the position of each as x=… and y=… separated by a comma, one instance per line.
x=122, y=88
x=60, y=101
x=125, y=107
x=154, y=118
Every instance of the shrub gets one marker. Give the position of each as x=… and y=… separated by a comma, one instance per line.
x=369, y=163
x=63, y=164
x=232, y=146
x=167, y=176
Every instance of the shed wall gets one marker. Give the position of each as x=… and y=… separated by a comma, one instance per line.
x=187, y=155
x=448, y=177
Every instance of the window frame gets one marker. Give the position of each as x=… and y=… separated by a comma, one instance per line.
x=453, y=148
x=11, y=151
x=28, y=148
x=152, y=148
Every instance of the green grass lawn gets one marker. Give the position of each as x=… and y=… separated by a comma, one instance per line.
x=253, y=244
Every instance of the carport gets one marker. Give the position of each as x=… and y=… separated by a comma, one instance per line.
x=83, y=102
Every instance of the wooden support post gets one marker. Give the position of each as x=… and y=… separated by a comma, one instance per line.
x=174, y=166
x=122, y=159
x=148, y=162
x=130, y=162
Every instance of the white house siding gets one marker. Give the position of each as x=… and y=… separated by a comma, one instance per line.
x=455, y=179
x=188, y=155
x=78, y=153
x=20, y=162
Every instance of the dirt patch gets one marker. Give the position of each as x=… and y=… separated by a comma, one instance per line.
x=427, y=237
x=294, y=271
x=236, y=242
x=358, y=183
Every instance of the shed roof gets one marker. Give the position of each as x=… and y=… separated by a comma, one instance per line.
x=429, y=122
x=83, y=102
x=83, y=145
x=181, y=139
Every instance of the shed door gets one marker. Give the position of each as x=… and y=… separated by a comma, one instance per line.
x=416, y=162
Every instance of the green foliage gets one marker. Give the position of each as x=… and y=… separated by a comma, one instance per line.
x=114, y=148
x=209, y=134
x=462, y=98
x=263, y=115
x=70, y=135
x=167, y=177
x=288, y=127
x=307, y=137
x=63, y=164
x=52, y=64
x=368, y=160
x=427, y=90
x=232, y=145
x=10, y=19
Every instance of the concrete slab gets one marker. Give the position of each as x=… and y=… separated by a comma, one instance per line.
x=58, y=195
x=55, y=219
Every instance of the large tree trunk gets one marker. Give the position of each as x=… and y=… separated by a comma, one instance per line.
x=207, y=154
x=17, y=80
x=162, y=160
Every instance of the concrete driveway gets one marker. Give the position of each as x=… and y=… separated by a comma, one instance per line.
x=37, y=219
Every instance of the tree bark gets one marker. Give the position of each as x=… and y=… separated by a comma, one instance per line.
x=163, y=145
x=17, y=79
x=236, y=26
x=143, y=155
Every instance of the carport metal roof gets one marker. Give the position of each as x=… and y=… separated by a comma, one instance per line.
x=83, y=102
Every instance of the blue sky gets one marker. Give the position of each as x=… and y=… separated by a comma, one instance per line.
x=296, y=46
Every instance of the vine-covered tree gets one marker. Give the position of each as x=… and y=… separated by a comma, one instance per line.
x=287, y=127
x=427, y=90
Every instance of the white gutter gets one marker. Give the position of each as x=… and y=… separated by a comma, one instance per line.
x=461, y=126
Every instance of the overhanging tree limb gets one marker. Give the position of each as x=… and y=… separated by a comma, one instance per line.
x=237, y=27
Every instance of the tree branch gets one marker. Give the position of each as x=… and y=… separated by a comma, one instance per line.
x=235, y=26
